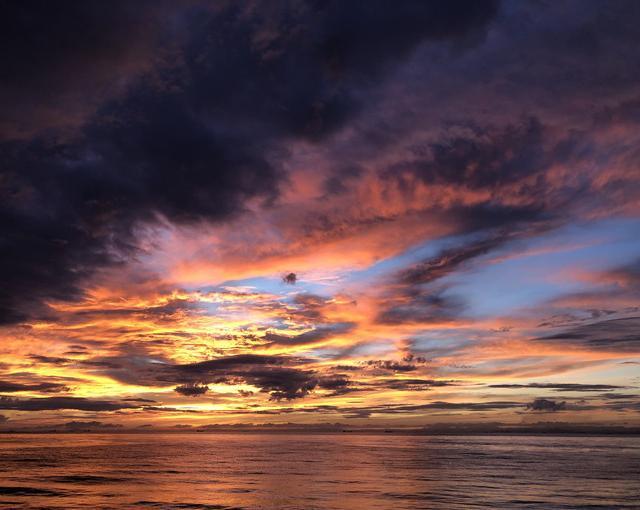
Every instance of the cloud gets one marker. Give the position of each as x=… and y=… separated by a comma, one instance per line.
x=614, y=335
x=282, y=383
x=368, y=411
x=339, y=384
x=78, y=425
x=448, y=261
x=42, y=47
x=191, y=390
x=178, y=143
x=561, y=386
x=545, y=405
x=263, y=371
x=230, y=363
x=420, y=306
x=44, y=387
x=58, y=403
x=413, y=384
x=417, y=294
x=493, y=158
x=276, y=375
x=315, y=335
x=149, y=222
x=392, y=366
x=627, y=275
x=290, y=278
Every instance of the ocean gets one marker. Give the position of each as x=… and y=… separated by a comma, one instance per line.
x=324, y=471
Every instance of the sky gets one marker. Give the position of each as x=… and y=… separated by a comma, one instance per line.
x=369, y=213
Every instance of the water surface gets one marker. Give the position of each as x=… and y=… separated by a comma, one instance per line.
x=308, y=472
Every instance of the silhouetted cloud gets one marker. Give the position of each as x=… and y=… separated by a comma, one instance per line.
x=44, y=387
x=392, y=366
x=561, y=386
x=414, y=384
x=448, y=261
x=56, y=403
x=320, y=333
x=274, y=375
x=616, y=335
x=339, y=384
x=367, y=411
x=78, y=425
x=192, y=390
x=290, y=278
x=545, y=405
x=282, y=383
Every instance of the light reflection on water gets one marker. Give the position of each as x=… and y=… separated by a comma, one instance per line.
x=307, y=472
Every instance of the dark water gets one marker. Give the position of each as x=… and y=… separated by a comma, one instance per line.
x=306, y=472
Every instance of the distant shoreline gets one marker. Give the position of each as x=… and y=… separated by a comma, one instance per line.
x=376, y=432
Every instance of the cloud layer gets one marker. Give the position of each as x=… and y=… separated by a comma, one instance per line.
x=306, y=211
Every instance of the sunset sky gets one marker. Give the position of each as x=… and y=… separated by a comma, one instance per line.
x=373, y=213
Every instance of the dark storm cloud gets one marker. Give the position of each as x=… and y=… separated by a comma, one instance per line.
x=561, y=386
x=74, y=50
x=299, y=67
x=57, y=403
x=201, y=129
x=491, y=159
x=44, y=387
x=545, y=405
x=616, y=335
